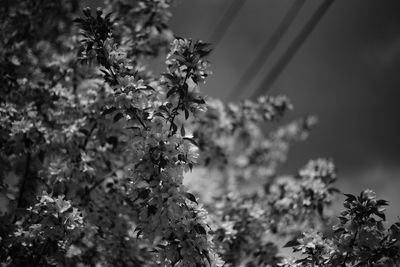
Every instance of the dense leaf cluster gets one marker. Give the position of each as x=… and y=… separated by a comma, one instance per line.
x=104, y=163
x=360, y=238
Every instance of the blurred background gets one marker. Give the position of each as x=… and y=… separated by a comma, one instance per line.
x=346, y=73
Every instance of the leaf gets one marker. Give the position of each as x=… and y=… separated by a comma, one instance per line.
x=303, y=260
x=107, y=17
x=109, y=111
x=84, y=131
x=185, y=89
x=186, y=114
x=332, y=190
x=78, y=20
x=174, y=128
x=183, y=130
x=138, y=233
x=204, y=53
x=350, y=197
x=382, y=202
x=144, y=193
x=198, y=101
x=118, y=116
x=341, y=229
x=292, y=243
x=200, y=45
x=191, y=197
x=105, y=72
x=163, y=162
x=159, y=114
x=191, y=140
x=113, y=140
x=87, y=11
x=169, y=76
x=343, y=219
x=381, y=215
x=89, y=46
x=200, y=229
x=180, y=58
x=170, y=92
x=205, y=253
x=320, y=209
x=164, y=108
x=133, y=128
x=151, y=210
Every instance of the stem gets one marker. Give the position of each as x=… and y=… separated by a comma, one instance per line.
x=113, y=75
x=175, y=110
x=88, y=136
x=24, y=178
x=43, y=248
x=96, y=184
x=140, y=120
x=353, y=240
x=174, y=113
x=75, y=85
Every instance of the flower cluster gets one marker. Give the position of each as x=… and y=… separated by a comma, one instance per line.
x=302, y=198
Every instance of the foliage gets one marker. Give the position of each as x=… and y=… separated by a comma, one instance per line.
x=94, y=148
x=359, y=239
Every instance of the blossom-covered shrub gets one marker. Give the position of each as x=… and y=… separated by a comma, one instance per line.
x=104, y=163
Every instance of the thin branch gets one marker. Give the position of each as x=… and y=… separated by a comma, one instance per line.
x=175, y=110
x=85, y=142
x=96, y=184
x=140, y=120
x=42, y=250
x=24, y=180
x=113, y=75
x=353, y=240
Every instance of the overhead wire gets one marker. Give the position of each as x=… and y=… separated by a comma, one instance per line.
x=226, y=21
x=293, y=48
x=268, y=47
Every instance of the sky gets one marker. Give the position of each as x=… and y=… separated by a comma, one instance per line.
x=346, y=73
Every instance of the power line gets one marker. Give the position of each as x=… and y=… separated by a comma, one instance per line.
x=226, y=21
x=293, y=48
x=269, y=47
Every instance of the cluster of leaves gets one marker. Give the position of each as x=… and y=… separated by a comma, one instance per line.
x=51, y=223
x=360, y=238
x=142, y=25
x=94, y=149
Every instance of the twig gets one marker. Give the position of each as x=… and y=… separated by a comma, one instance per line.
x=175, y=110
x=38, y=258
x=353, y=240
x=88, y=136
x=24, y=179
